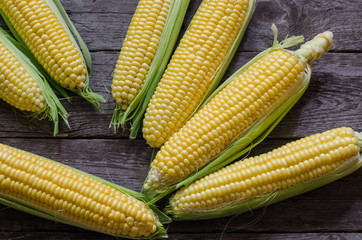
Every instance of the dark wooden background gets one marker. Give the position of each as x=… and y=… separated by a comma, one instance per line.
x=332, y=100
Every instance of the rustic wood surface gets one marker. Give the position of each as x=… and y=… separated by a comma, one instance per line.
x=332, y=100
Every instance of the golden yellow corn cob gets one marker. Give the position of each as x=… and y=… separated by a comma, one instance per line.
x=41, y=31
x=195, y=65
x=17, y=87
x=138, y=49
x=296, y=163
x=70, y=196
x=247, y=99
x=23, y=86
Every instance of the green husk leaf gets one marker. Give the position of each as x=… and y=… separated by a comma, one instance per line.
x=349, y=167
x=53, y=105
x=136, y=109
x=255, y=134
x=90, y=96
x=53, y=216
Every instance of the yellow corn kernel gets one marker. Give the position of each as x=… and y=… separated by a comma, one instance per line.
x=138, y=50
x=244, y=101
x=294, y=163
x=72, y=196
x=17, y=87
x=41, y=31
x=193, y=67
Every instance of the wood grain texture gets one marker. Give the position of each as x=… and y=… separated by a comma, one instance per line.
x=333, y=93
x=103, y=24
x=181, y=236
x=333, y=99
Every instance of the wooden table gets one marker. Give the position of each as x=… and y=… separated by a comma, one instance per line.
x=332, y=100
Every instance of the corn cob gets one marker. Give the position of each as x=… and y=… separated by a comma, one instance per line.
x=23, y=86
x=57, y=192
x=44, y=27
x=242, y=111
x=146, y=49
x=196, y=67
x=292, y=169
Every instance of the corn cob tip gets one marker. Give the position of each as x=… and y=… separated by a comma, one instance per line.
x=153, y=179
x=317, y=47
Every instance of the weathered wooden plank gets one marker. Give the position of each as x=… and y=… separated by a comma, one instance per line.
x=332, y=100
x=110, y=6
x=103, y=24
x=334, y=93
x=99, y=6
x=335, y=207
x=60, y=235
x=225, y=236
